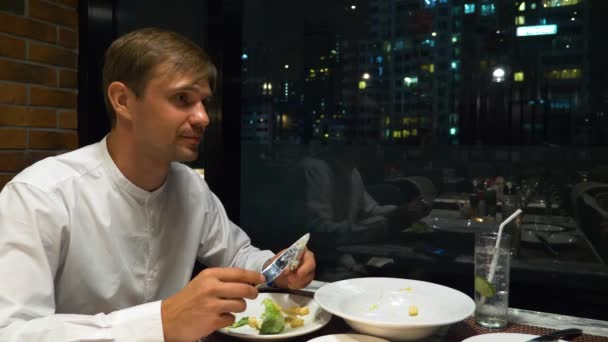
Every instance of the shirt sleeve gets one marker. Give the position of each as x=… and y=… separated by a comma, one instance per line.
x=368, y=204
x=224, y=244
x=34, y=235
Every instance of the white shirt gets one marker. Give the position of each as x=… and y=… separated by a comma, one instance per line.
x=85, y=255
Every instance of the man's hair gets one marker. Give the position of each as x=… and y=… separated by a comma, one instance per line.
x=133, y=60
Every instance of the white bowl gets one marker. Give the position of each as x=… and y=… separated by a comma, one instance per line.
x=379, y=306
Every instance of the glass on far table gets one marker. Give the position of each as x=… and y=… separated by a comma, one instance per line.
x=492, y=286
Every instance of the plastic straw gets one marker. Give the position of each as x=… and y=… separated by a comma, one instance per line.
x=496, y=250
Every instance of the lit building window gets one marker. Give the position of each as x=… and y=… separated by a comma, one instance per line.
x=432, y=3
x=312, y=73
x=522, y=6
x=564, y=74
x=520, y=20
x=469, y=8
x=428, y=67
x=487, y=9
x=397, y=134
x=414, y=132
x=408, y=80
x=518, y=76
x=387, y=121
x=533, y=6
x=455, y=38
x=362, y=85
x=399, y=45
x=559, y=3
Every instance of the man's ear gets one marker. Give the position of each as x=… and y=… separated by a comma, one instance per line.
x=121, y=98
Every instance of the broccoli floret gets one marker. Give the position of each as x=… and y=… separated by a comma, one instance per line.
x=273, y=321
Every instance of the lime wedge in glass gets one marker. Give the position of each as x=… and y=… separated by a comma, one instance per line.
x=484, y=288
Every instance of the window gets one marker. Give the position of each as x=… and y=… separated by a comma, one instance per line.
x=560, y=3
x=522, y=6
x=564, y=74
x=469, y=8
x=487, y=9
x=437, y=106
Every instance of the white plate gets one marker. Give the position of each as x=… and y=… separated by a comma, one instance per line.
x=379, y=306
x=315, y=320
x=347, y=338
x=502, y=337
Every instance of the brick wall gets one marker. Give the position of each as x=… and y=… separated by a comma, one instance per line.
x=38, y=81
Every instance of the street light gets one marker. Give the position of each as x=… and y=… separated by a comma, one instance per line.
x=366, y=76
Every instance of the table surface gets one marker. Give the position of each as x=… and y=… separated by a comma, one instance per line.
x=576, y=258
x=516, y=316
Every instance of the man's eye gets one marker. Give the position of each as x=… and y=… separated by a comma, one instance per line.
x=182, y=99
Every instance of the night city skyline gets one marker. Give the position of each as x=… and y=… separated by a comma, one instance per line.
x=402, y=72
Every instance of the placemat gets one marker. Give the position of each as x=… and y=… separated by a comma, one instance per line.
x=468, y=328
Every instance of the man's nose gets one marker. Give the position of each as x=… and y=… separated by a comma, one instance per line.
x=199, y=117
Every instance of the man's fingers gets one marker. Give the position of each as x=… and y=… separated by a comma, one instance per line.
x=225, y=320
x=233, y=305
x=236, y=290
x=305, y=273
x=236, y=275
x=307, y=264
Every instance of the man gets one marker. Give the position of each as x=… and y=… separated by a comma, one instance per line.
x=99, y=244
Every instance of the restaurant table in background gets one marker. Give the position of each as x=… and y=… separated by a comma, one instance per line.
x=522, y=321
x=444, y=255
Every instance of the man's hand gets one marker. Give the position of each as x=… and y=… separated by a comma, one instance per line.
x=301, y=276
x=207, y=302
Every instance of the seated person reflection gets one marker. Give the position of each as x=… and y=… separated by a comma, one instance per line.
x=99, y=244
x=329, y=198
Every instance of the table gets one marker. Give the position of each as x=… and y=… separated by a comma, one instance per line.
x=517, y=317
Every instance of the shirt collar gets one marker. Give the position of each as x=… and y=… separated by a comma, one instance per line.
x=123, y=182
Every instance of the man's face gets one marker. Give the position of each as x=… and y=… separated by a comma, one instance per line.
x=169, y=118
